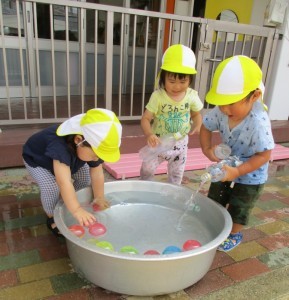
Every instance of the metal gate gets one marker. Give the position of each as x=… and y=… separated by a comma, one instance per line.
x=49, y=80
x=224, y=39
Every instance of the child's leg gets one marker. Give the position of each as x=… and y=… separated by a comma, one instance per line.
x=242, y=200
x=237, y=227
x=148, y=168
x=81, y=178
x=220, y=192
x=176, y=168
x=177, y=161
x=49, y=190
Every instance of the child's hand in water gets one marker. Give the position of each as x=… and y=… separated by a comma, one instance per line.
x=83, y=217
x=101, y=202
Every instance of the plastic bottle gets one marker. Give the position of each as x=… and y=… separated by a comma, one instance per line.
x=216, y=172
x=166, y=143
x=214, y=175
x=222, y=151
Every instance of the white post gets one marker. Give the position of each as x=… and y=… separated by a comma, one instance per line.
x=276, y=96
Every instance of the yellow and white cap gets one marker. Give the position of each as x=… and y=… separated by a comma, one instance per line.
x=100, y=128
x=179, y=59
x=234, y=78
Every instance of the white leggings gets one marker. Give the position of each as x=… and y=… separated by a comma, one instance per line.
x=176, y=159
x=49, y=190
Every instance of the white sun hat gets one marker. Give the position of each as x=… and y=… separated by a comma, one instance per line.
x=100, y=128
x=179, y=59
x=234, y=79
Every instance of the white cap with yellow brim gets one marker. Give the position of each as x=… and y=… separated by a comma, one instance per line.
x=100, y=128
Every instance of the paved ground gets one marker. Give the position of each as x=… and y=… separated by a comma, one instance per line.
x=35, y=265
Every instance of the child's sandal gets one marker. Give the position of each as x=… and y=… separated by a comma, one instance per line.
x=54, y=230
x=231, y=242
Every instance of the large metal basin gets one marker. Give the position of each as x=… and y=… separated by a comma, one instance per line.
x=145, y=215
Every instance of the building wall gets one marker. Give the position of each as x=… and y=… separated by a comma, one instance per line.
x=258, y=12
x=241, y=8
x=277, y=89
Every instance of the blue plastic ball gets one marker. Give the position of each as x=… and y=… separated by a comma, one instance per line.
x=171, y=249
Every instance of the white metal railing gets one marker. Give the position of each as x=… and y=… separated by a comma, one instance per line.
x=55, y=78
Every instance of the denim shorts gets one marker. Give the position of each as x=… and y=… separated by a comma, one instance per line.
x=238, y=198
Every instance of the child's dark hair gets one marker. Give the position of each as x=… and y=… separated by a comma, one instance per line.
x=247, y=98
x=175, y=75
x=71, y=144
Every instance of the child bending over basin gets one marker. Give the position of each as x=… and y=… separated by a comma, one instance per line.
x=66, y=158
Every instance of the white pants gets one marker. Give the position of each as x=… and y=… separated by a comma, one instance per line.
x=176, y=159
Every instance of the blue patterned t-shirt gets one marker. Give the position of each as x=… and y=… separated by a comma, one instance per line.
x=251, y=136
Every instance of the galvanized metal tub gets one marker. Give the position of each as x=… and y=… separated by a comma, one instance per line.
x=145, y=215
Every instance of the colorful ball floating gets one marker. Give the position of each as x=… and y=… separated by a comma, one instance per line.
x=171, y=249
x=76, y=229
x=105, y=245
x=151, y=252
x=191, y=244
x=128, y=249
x=96, y=207
x=92, y=241
x=97, y=229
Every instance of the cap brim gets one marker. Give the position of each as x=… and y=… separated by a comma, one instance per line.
x=217, y=99
x=70, y=126
x=182, y=70
x=106, y=155
x=220, y=99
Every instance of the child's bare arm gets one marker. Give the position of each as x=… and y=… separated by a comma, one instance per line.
x=197, y=122
x=97, y=183
x=146, y=119
x=252, y=164
x=206, y=143
x=68, y=194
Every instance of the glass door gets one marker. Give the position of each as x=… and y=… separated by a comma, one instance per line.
x=13, y=55
x=129, y=34
x=44, y=51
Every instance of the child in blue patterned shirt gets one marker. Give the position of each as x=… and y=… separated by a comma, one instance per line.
x=243, y=123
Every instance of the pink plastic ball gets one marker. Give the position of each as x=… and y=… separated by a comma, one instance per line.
x=78, y=230
x=191, y=244
x=97, y=229
x=151, y=252
x=96, y=207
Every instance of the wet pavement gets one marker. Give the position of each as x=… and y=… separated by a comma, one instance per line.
x=35, y=265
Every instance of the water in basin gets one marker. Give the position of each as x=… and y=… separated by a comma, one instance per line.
x=135, y=220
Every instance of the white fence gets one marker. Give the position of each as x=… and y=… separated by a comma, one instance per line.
x=59, y=58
